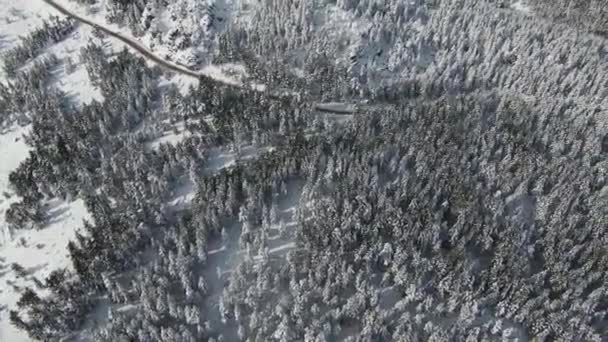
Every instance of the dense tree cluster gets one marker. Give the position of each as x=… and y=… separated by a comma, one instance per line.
x=464, y=45
x=464, y=200
x=99, y=146
x=591, y=15
x=125, y=11
x=57, y=315
x=51, y=31
x=27, y=92
x=430, y=221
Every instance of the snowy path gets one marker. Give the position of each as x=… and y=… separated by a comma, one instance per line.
x=212, y=72
x=131, y=42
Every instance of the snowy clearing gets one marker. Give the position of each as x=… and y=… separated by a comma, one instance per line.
x=39, y=252
x=522, y=7
x=13, y=151
x=222, y=157
x=183, y=82
x=19, y=17
x=22, y=17
x=75, y=83
x=226, y=254
x=173, y=137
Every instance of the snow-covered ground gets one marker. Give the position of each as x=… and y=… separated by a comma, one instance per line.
x=222, y=157
x=229, y=73
x=95, y=15
x=224, y=255
x=219, y=159
x=42, y=251
x=183, y=82
x=19, y=17
x=75, y=83
x=172, y=137
x=522, y=7
x=38, y=252
x=13, y=151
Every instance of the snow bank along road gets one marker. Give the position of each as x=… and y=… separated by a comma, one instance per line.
x=161, y=61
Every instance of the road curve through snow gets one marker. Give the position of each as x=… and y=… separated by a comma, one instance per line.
x=135, y=45
x=144, y=51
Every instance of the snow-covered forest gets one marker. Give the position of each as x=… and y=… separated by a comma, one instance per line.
x=325, y=170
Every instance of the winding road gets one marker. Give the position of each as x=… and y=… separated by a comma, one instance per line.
x=147, y=53
x=132, y=43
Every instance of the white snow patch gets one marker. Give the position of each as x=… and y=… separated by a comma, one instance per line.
x=337, y=107
x=299, y=72
x=78, y=85
x=216, y=72
x=183, y=196
x=24, y=16
x=522, y=7
x=219, y=159
x=75, y=83
x=39, y=252
x=183, y=82
x=234, y=68
x=13, y=150
x=229, y=73
x=222, y=157
x=172, y=137
x=19, y=17
x=284, y=247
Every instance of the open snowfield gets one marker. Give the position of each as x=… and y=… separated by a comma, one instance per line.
x=17, y=17
x=75, y=83
x=39, y=253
